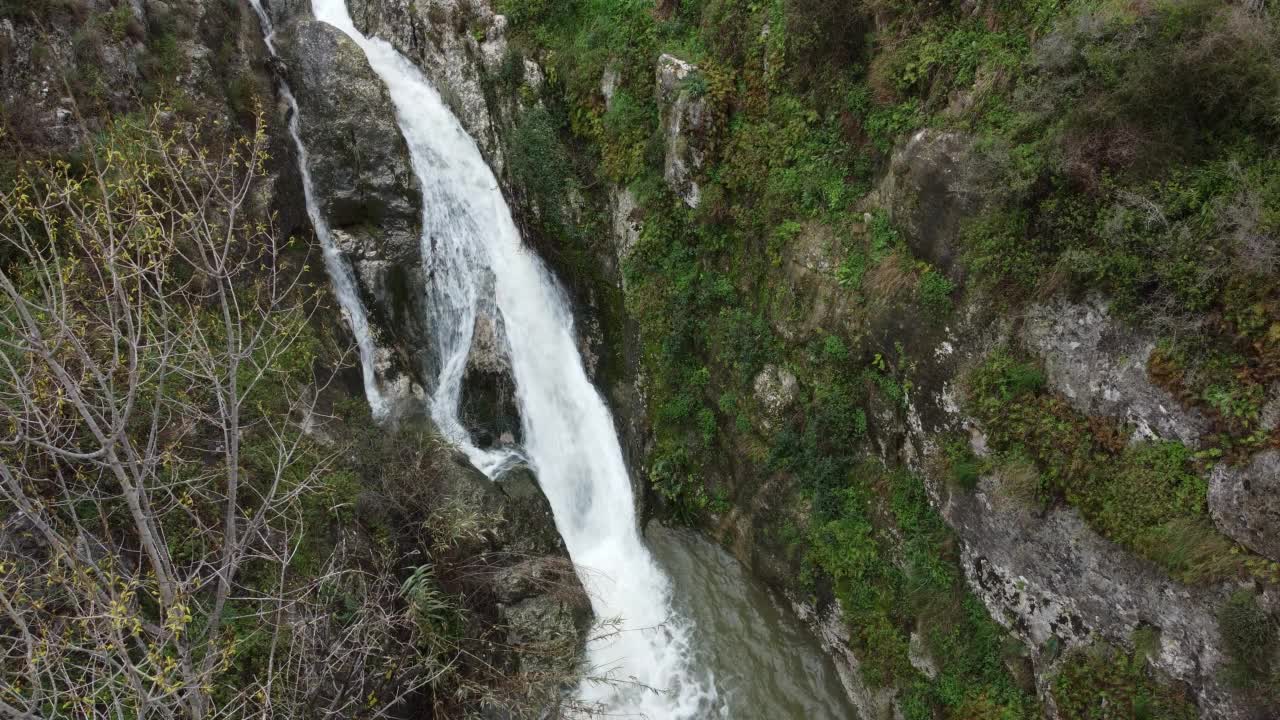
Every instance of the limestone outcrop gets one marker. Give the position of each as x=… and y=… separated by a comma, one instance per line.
x=684, y=118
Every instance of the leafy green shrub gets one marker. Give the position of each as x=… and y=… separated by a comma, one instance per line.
x=965, y=469
x=850, y=272
x=524, y=13
x=1003, y=377
x=510, y=73
x=627, y=125
x=824, y=34
x=785, y=162
x=675, y=478
x=925, y=590
x=884, y=236
x=998, y=252
x=1147, y=486
x=539, y=163
x=935, y=291
x=950, y=54
x=438, y=618
x=120, y=23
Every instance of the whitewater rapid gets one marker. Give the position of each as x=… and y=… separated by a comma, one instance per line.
x=641, y=664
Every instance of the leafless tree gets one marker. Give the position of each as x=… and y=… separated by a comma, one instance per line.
x=148, y=325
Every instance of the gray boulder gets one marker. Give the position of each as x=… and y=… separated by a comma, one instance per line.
x=1245, y=502
x=775, y=392
x=935, y=181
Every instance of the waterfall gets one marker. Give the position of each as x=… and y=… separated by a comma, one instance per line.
x=340, y=273
x=478, y=264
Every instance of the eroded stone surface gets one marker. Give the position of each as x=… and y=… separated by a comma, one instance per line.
x=1054, y=577
x=540, y=599
x=683, y=119
x=626, y=225
x=1245, y=502
x=1049, y=577
x=1100, y=365
x=775, y=392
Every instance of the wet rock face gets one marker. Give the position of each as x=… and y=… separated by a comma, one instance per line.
x=359, y=162
x=523, y=565
x=528, y=512
x=934, y=182
x=684, y=117
x=1245, y=502
x=540, y=597
x=489, y=408
x=364, y=184
x=1100, y=365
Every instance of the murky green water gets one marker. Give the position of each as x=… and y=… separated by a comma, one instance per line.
x=767, y=665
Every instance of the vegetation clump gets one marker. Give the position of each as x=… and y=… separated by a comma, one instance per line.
x=1251, y=638
x=1104, y=682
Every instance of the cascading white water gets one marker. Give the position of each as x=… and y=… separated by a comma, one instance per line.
x=478, y=263
x=340, y=274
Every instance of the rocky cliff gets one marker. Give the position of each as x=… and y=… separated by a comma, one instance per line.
x=1009, y=491
x=983, y=401
x=367, y=192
